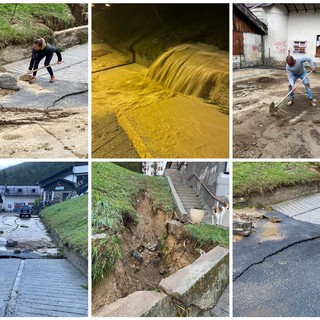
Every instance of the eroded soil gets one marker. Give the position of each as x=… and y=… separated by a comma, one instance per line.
x=293, y=133
x=149, y=255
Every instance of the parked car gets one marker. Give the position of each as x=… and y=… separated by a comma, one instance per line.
x=25, y=211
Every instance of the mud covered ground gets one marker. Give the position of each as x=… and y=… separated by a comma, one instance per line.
x=149, y=255
x=30, y=234
x=293, y=133
x=42, y=133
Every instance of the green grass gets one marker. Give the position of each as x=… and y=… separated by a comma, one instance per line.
x=69, y=219
x=259, y=177
x=205, y=235
x=31, y=21
x=114, y=193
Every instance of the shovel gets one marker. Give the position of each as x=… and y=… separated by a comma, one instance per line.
x=273, y=109
x=28, y=76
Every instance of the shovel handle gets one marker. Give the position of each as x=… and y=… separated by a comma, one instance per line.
x=287, y=95
x=50, y=65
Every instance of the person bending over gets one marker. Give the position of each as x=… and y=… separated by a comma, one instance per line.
x=42, y=49
x=296, y=70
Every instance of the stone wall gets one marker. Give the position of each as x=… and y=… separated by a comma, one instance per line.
x=68, y=38
x=277, y=195
x=62, y=40
x=191, y=291
x=213, y=176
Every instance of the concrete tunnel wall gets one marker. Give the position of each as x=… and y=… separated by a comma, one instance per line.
x=147, y=30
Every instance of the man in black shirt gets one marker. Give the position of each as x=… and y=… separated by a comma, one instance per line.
x=42, y=49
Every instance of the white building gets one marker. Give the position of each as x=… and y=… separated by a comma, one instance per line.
x=292, y=29
x=155, y=168
x=13, y=197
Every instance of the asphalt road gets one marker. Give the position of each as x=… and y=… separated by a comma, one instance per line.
x=70, y=89
x=276, y=270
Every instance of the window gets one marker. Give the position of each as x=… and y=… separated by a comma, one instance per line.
x=226, y=168
x=33, y=190
x=318, y=46
x=299, y=46
x=19, y=190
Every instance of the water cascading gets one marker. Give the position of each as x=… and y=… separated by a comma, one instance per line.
x=197, y=70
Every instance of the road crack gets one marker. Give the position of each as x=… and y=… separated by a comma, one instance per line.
x=275, y=253
x=68, y=95
x=65, y=147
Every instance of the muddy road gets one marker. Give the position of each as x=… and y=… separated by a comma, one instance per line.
x=293, y=133
x=30, y=233
x=32, y=283
x=47, y=120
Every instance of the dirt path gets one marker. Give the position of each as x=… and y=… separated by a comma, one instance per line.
x=293, y=133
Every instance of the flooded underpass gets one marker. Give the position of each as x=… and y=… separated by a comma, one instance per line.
x=292, y=133
x=168, y=100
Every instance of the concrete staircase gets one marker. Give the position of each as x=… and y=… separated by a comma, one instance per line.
x=186, y=194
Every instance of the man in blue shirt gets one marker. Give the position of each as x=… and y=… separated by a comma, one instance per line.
x=296, y=70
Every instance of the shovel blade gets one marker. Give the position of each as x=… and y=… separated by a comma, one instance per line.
x=272, y=108
x=25, y=77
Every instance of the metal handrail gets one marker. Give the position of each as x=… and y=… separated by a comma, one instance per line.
x=205, y=187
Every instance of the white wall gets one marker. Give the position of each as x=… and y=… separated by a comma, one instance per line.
x=10, y=200
x=252, y=49
x=80, y=169
x=276, y=42
x=304, y=26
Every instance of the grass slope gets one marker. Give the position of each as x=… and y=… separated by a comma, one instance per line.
x=205, y=235
x=258, y=177
x=69, y=219
x=22, y=23
x=114, y=193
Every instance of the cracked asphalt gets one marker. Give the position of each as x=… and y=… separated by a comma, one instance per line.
x=276, y=269
x=52, y=117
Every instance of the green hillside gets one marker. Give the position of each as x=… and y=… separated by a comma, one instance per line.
x=30, y=173
x=258, y=177
x=69, y=220
x=22, y=23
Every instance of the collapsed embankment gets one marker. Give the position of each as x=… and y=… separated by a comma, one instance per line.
x=140, y=263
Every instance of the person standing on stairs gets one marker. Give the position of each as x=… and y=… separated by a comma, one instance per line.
x=42, y=49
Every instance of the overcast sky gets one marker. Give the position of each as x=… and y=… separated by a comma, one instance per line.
x=8, y=163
